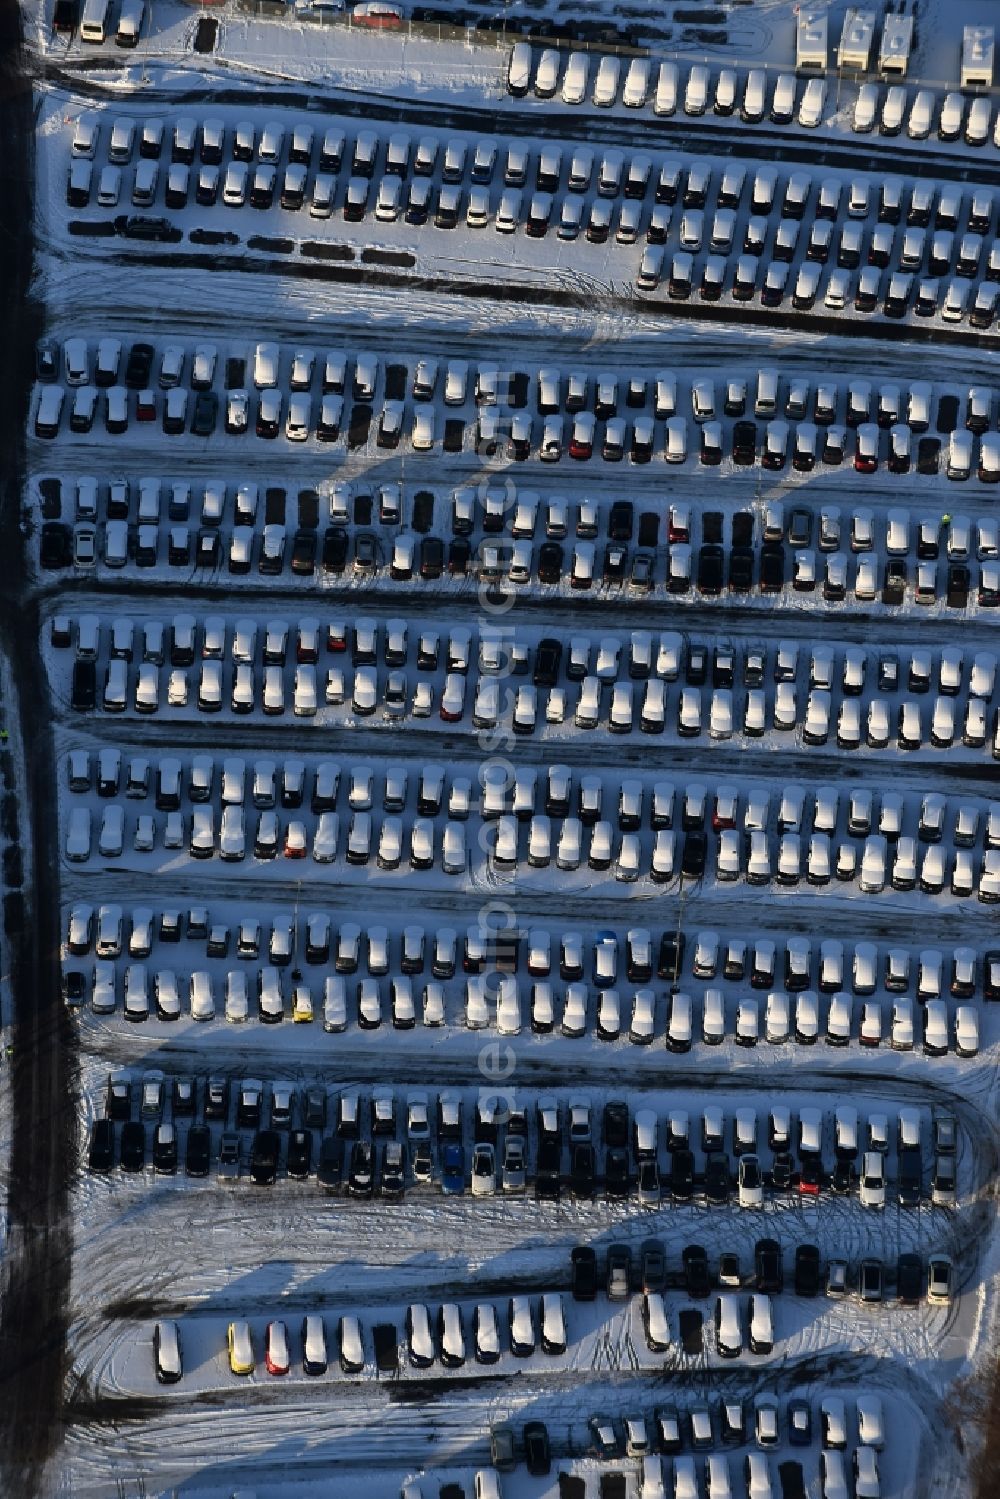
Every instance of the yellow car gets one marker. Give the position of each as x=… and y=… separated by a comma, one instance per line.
x=302, y=1005
x=240, y=1348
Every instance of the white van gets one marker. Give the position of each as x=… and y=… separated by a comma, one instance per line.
x=547, y=74
x=116, y=543
x=130, y=23
x=519, y=70
x=766, y=402
x=812, y=103
x=94, y=22
x=606, y=82
x=865, y=109
x=636, y=83
x=696, y=93
x=144, y=187
x=918, y=126
x=574, y=86
x=892, y=110
x=651, y=1484
x=265, y=366
x=754, y=97
x=665, y=101
x=783, y=99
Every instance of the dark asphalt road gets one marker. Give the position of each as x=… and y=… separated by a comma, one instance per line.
x=36, y=1274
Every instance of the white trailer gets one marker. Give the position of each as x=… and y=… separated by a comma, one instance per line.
x=894, y=50
x=977, y=57
x=854, y=53
x=811, y=41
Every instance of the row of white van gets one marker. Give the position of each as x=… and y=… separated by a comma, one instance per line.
x=666, y=88
x=96, y=22
x=484, y=162
x=761, y=392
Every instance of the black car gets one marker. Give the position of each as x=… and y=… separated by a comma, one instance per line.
x=143, y=226
x=671, y=956
x=216, y=1096
x=870, y=1280
x=615, y=563
x=299, y=1153
x=909, y=1279
x=537, y=1452
x=681, y=1175
x=55, y=545
x=165, y=1151
x=66, y=16
x=957, y=591
x=909, y=1184
x=807, y=1270
x=547, y=1182
x=360, y=1182
x=582, y=1171
x=652, y=1266
x=710, y=569
x=782, y=1171
x=550, y=562
x=197, y=1152
x=694, y=855
x=894, y=583
x=133, y=1153
x=458, y=556
x=102, y=1145
x=139, y=366
x=621, y=520
x=696, y=1277
x=616, y=1177
x=740, y=570
x=206, y=414
x=768, y=1267
x=264, y=1157
x=696, y=664
x=583, y=1270
x=842, y=1180
x=616, y=1124
x=431, y=557
x=304, y=552
x=331, y=1162
x=718, y=1182
x=928, y=455
x=772, y=569
x=548, y=658
x=744, y=442
x=334, y=549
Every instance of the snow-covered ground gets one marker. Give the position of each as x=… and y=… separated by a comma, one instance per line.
x=204, y=1252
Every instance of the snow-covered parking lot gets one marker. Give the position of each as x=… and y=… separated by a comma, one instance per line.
x=509, y=591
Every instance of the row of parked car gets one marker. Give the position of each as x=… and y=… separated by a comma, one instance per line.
x=825, y=400
x=800, y=963
x=665, y=656
x=631, y=805
x=240, y=161
x=609, y=1014
x=822, y=716
x=758, y=856
x=558, y=1144
x=348, y=1160
x=506, y=567
x=567, y=1118
x=755, y=96
x=519, y=438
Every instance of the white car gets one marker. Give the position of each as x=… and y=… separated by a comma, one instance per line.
x=871, y=1186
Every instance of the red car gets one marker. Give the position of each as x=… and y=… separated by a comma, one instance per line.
x=276, y=1357
x=809, y=1177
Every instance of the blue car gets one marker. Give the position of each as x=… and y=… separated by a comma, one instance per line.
x=453, y=1169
